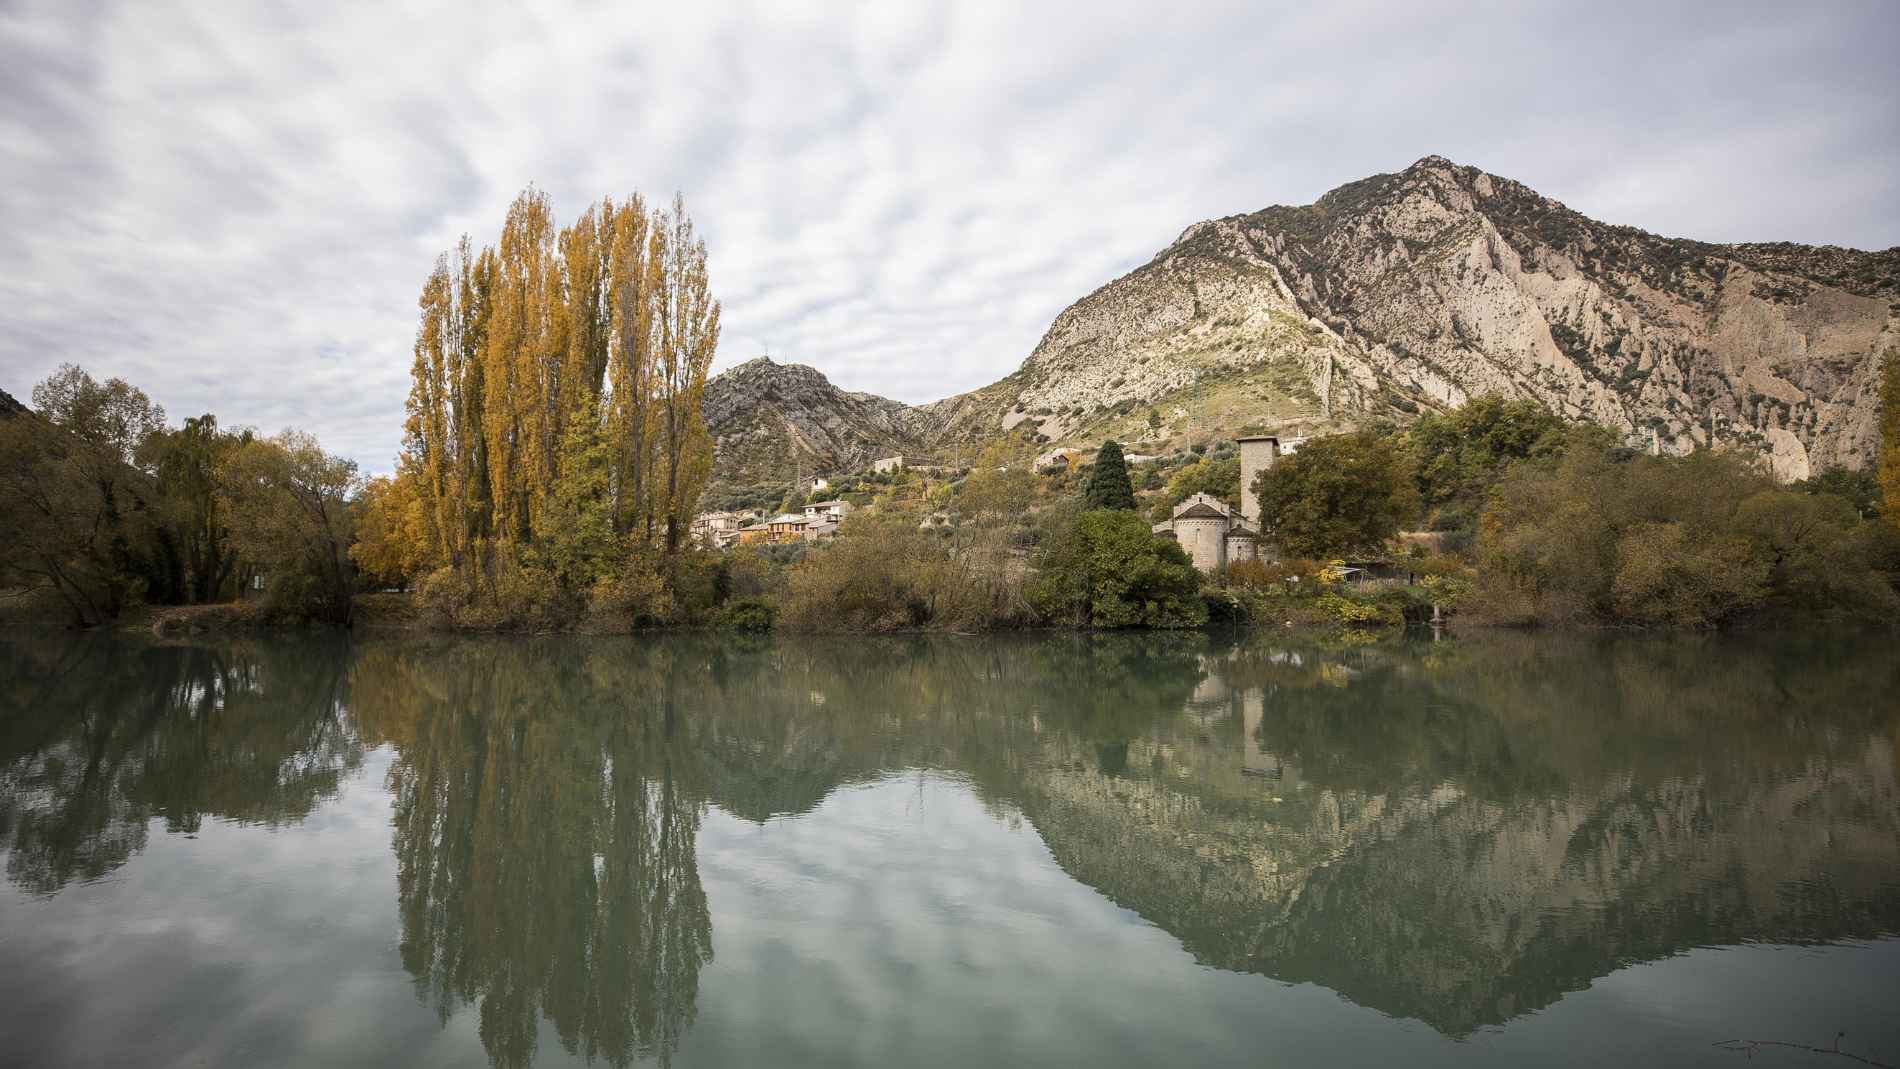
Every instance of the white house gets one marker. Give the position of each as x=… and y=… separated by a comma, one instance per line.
x=833, y=511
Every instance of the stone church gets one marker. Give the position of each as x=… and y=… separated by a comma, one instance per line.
x=1209, y=530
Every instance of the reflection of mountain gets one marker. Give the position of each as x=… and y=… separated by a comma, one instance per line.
x=98, y=737
x=1459, y=833
x=1442, y=839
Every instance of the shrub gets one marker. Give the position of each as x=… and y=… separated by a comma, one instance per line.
x=634, y=595
x=1107, y=569
x=747, y=614
x=496, y=593
x=872, y=577
x=1706, y=540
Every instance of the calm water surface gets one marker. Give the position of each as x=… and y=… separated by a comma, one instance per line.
x=1053, y=850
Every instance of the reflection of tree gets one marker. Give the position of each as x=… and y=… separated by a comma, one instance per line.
x=100, y=736
x=546, y=818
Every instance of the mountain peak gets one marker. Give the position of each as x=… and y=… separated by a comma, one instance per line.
x=771, y=421
x=1419, y=289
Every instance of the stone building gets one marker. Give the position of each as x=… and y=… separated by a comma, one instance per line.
x=1257, y=454
x=1213, y=535
x=717, y=530
x=1210, y=532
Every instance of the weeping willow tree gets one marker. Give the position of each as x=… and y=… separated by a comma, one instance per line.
x=554, y=407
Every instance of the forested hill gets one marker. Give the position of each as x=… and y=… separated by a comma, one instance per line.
x=9, y=406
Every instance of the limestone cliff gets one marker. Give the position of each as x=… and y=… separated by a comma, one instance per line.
x=1420, y=289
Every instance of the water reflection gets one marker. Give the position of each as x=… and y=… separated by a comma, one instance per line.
x=546, y=807
x=1457, y=832
x=98, y=737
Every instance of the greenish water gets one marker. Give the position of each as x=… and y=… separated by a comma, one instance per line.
x=1048, y=850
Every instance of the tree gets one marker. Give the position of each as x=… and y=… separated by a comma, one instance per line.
x=391, y=530
x=1705, y=540
x=78, y=516
x=607, y=323
x=1860, y=489
x=1108, y=485
x=1888, y=465
x=1216, y=478
x=1338, y=496
x=289, y=506
x=194, y=532
x=114, y=416
x=1107, y=569
x=62, y=529
x=996, y=491
x=1457, y=457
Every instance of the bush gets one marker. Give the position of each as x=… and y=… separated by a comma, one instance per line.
x=1707, y=540
x=634, y=595
x=747, y=614
x=496, y=593
x=1360, y=613
x=872, y=577
x=1107, y=569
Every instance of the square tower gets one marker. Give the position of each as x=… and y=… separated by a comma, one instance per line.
x=1257, y=454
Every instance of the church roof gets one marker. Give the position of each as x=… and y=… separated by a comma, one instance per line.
x=1200, y=510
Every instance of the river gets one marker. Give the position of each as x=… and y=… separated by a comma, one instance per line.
x=1050, y=850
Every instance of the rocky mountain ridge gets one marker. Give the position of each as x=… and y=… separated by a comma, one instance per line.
x=1417, y=290
x=773, y=421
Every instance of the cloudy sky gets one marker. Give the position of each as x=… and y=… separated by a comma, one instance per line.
x=234, y=205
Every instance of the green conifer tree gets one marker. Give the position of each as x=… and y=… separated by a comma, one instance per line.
x=1108, y=486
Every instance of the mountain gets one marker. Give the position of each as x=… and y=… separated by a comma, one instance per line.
x=9, y=406
x=1387, y=297
x=772, y=422
x=1417, y=290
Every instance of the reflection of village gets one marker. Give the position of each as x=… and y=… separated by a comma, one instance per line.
x=1459, y=833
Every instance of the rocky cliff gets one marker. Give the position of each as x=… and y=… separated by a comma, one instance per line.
x=772, y=421
x=1390, y=296
x=1417, y=290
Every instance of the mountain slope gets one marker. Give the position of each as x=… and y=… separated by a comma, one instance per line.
x=772, y=422
x=1423, y=288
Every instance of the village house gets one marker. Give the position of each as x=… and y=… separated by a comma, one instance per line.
x=888, y=464
x=834, y=511
x=786, y=527
x=718, y=530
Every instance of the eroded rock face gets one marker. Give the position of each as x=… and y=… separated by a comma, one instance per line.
x=1387, y=297
x=1420, y=289
x=774, y=421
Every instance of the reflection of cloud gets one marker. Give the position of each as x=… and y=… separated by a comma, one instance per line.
x=237, y=207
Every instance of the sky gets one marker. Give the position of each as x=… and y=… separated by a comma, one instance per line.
x=234, y=206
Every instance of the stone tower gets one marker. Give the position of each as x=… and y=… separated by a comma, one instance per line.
x=1257, y=454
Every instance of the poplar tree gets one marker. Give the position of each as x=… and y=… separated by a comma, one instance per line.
x=1887, y=467
x=557, y=360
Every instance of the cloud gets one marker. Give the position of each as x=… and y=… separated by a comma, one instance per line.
x=234, y=206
